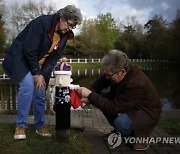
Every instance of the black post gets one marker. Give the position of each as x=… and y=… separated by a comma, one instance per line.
x=62, y=102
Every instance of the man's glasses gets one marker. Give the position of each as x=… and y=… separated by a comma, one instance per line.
x=71, y=25
x=109, y=75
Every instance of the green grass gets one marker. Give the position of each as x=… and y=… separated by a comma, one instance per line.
x=35, y=144
x=1, y=69
x=75, y=66
x=82, y=66
x=170, y=124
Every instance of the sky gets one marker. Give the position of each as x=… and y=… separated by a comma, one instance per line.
x=143, y=10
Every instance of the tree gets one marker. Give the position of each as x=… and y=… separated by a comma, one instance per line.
x=108, y=31
x=20, y=16
x=86, y=43
x=157, y=37
x=2, y=29
x=97, y=36
x=174, y=40
x=90, y=38
x=130, y=38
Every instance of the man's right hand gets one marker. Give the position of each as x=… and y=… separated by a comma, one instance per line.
x=84, y=102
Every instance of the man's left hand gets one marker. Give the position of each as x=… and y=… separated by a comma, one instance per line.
x=39, y=82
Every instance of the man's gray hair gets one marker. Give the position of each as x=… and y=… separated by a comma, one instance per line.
x=116, y=60
x=71, y=12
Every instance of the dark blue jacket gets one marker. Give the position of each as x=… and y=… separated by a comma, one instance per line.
x=31, y=45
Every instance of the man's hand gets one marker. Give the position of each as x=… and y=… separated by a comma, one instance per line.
x=83, y=92
x=39, y=82
x=84, y=102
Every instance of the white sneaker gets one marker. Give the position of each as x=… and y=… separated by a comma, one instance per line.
x=43, y=132
x=20, y=133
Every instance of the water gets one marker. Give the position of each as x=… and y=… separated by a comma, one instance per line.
x=165, y=79
x=167, y=83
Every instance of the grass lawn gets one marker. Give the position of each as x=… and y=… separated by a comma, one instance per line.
x=170, y=124
x=1, y=70
x=35, y=144
x=82, y=66
x=76, y=66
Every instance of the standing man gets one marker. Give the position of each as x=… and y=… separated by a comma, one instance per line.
x=132, y=105
x=31, y=59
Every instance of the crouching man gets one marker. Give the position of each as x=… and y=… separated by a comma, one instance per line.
x=132, y=105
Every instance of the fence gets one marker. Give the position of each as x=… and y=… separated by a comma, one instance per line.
x=93, y=60
x=8, y=97
x=85, y=60
x=4, y=76
x=78, y=60
x=8, y=93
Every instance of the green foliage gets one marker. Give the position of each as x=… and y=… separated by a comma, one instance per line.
x=129, y=40
x=1, y=69
x=85, y=43
x=157, y=37
x=106, y=26
x=174, y=38
x=37, y=144
x=170, y=124
x=90, y=38
x=97, y=36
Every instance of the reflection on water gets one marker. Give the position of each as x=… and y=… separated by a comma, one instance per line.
x=95, y=72
x=167, y=104
x=165, y=79
x=167, y=83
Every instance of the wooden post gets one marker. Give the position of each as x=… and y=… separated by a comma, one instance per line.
x=3, y=97
x=14, y=97
x=48, y=100
x=8, y=89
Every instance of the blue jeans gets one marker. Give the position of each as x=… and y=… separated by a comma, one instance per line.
x=29, y=94
x=121, y=123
